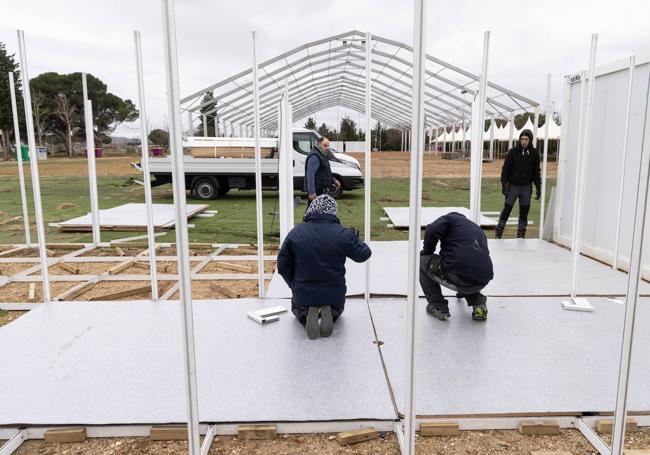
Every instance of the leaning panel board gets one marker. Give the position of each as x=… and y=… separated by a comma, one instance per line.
x=531, y=356
x=121, y=363
x=399, y=216
x=522, y=267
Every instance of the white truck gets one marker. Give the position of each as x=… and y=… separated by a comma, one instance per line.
x=209, y=174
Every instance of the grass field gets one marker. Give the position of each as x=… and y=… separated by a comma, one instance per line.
x=67, y=197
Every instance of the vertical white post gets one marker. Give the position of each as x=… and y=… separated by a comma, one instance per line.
x=435, y=145
x=453, y=137
x=182, y=241
x=464, y=135
x=205, y=125
x=583, y=149
x=535, y=125
x=415, y=204
x=478, y=126
x=285, y=165
x=430, y=139
x=623, y=160
x=632, y=294
x=190, y=127
x=33, y=158
x=216, y=127
x=90, y=155
x=153, y=271
x=367, y=219
x=19, y=159
x=492, y=138
x=258, y=171
x=511, y=137
x=549, y=118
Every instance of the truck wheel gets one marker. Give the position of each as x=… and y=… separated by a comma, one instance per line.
x=336, y=191
x=205, y=189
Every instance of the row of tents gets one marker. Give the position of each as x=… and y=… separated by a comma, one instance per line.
x=454, y=134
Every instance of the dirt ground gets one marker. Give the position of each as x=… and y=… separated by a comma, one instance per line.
x=249, y=250
x=216, y=267
x=18, y=292
x=9, y=316
x=468, y=443
x=9, y=269
x=633, y=439
x=34, y=253
x=206, y=289
x=112, y=252
x=105, y=287
x=168, y=267
x=85, y=268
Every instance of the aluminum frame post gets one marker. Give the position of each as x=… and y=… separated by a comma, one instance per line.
x=205, y=125
x=285, y=165
x=619, y=212
x=583, y=141
x=491, y=155
x=36, y=182
x=632, y=295
x=535, y=125
x=512, y=130
x=258, y=170
x=144, y=139
x=19, y=159
x=216, y=127
x=190, y=121
x=478, y=122
x=415, y=204
x=464, y=136
x=90, y=156
x=549, y=118
x=367, y=191
x=182, y=241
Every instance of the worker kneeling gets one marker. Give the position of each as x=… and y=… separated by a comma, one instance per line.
x=312, y=262
x=463, y=265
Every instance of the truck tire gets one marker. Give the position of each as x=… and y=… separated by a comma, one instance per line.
x=205, y=189
x=334, y=191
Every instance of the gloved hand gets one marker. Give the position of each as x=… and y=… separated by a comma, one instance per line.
x=538, y=193
x=504, y=188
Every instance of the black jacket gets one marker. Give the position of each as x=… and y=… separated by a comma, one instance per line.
x=521, y=167
x=323, y=178
x=312, y=260
x=463, y=247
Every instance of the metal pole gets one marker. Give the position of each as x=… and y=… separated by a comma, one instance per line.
x=623, y=160
x=583, y=141
x=548, y=118
x=19, y=159
x=618, y=437
x=453, y=137
x=535, y=125
x=205, y=125
x=464, y=136
x=285, y=165
x=182, y=241
x=492, y=138
x=36, y=183
x=415, y=204
x=512, y=130
x=153, y=271
x=478, y=122
x=258, y=172
x=90, y=155
x=368, y=177
x=216, y=127
x=190, y=129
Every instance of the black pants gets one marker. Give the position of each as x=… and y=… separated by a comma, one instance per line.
x=432, y=276
x=300, y=312
x=524, y=194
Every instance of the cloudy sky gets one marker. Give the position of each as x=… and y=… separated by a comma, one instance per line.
x=214, y=40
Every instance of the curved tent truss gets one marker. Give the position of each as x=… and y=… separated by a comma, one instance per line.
x=330, y=72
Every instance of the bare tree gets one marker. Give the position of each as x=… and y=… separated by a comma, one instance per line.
x=67, y=112
x=40, y=114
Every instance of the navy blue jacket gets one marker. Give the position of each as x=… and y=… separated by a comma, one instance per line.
x=312, y=259
x=322, y=179
x=463, y=247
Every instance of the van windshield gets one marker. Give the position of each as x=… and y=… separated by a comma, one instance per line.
x=303, y=142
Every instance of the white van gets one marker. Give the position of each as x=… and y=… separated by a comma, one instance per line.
x=209, y=175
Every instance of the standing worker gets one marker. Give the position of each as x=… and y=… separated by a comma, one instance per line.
x=463, y=265
x=520, y=170
x=318, y=173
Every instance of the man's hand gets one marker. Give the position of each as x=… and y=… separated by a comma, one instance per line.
x=355, y=232
x=538, y=193
x=336, y=183
x=311, y=196
x=504, y=188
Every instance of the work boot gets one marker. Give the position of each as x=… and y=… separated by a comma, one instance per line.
x=460, y=296
x=521, y=233
x=326, y=321
x=439, y=310
x=480, y=312
x=498, y=231
x=312, y=322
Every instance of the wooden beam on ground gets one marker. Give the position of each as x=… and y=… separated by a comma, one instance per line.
x=550, y=452
x=236, y=267
x=168, y=433
x=146, y=252
x=12, y=251
x=605, y=426
x=125, y=293
x=439, y=429
x=120, y=251
x=224, y=291
x=353, y=437
x=141, y=265
x=31, y=295
x=121, y=266
x=66, y=435
x=64, y=246
x=75, y=291
x=533, y=427
x=254, y=432
x=69, y=268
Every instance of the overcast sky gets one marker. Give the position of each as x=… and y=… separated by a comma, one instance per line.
x=214, y=40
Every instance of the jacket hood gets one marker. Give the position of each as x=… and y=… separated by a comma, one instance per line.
x=529, y=134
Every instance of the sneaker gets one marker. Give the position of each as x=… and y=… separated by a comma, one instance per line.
x=439, y=313
x=326, y=321
x=480, y=312
x=460, y=296
x=312, y=322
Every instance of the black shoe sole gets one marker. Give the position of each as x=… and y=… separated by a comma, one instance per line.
x=313, y=330
x=326, y=322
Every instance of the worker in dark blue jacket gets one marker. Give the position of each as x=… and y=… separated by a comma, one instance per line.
x=312, y=262
x=318, y=173
x=463, y=265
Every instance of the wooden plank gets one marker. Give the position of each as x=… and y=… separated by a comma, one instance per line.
x=69, y=268
x=254, y=432
x=168, y=433
x=141, y=265
x=534, y=427
x=146, y=252
x=75, y=291
x=64, y=246
x=121, y=266
x=125, y=293
x=12, y=251
x=224, y=291
x=439, y=429
x=606, y=426
x=353, y=437
x=236, y=267
x=31, y=296
x=120, y=251
x=636, y=452
x=550, y=452
x=66, y=435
